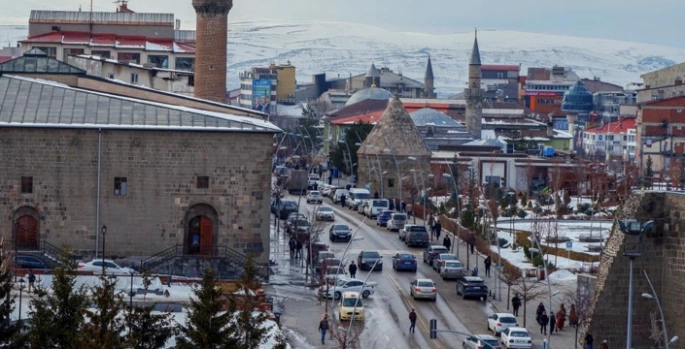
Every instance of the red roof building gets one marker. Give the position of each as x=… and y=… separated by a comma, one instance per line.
x=615, y=139
x=661, y=131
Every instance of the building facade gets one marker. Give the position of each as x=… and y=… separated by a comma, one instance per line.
x=613, y=139
x=661, y=132
x=259, y=89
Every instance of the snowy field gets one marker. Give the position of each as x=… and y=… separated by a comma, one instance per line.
x=563, y=229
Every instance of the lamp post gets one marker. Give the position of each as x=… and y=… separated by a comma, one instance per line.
x=104, y=233
x=21, y=290
x=485, y=208
x=130, y=294
x=632, y=227
x=458, y=233
x=661, y=311
x=399, y=174
x=413, y=175
x=16, y=237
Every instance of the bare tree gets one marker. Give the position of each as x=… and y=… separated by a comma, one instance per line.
x=510, y=276
x=580, y=313
x=344, y=339
x=529, y=290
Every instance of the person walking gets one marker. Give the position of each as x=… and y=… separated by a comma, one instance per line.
x=589, y=340
x=32, y=280
x=375, y=195
x=516, y=304
x=412, y=321
x=552, y=322
x=543, y=321
x=539, y=311
x=431, y=225
x=353, y=270
x=487, y=262
x=472, y=243
x=561, y=318
x=298, y=246
x=572, y=316
x=408, y=209
x=447, y=242
x=438, y=230
x=323, y=328
x=342, y=200
x=604, y=345
x=293, y=245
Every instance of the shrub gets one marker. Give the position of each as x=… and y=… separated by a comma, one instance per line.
x=503, y=242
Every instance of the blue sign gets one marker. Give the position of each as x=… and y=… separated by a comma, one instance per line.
x=569, y=245
x=334, y=172
x=368, y=186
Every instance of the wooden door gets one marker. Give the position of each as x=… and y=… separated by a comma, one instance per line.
x=27, y=233
x=206, y=230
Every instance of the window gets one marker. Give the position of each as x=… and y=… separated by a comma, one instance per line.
x=159, y=61
x=202, y=182
x=26, y=185
x=191, y=80
x=128, y=57
x=51, y=51
x=500, y=75
x=391, y=182
x=101, y=54
x=120, y=186
x=185, y=63
x=73, y=52
x=134, y=78
x=111, y=76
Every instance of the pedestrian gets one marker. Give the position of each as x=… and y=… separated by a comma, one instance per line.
x=342, y=200
x=431, y=225
x=561, y=318
x=539, y=311
x=487, y=262
x=552, y=322
x=323, y=327
x=408, y=208
x=32, y=280
x=298, y=253
x=412, y=321
x=375, y=195
x=543, y=321
x=604, y=345
x=447, y=242
x=474, y=272
x=330, y=179
x=438, y=230
x=293, y=245
x=353, y=270
x=588, y=340
x=472, y=243
x=516, y=304
x=572, y=317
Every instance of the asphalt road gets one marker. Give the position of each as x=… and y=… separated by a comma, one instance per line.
x=387, y=324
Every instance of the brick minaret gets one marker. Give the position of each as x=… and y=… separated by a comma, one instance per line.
x=210, y=49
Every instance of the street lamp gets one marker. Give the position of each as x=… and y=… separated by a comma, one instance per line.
x=661, y=311
x=485, y=208
x=104, y=233
x=131, y=290
x=458, y=236
x=21, y=290
x=632, y=227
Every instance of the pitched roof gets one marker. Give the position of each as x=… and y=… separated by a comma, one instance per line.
x=475, y=53
x=620, y=126
x=365, y=106
x=429, y=69
x=28, y=102
x=37, y=61
x=368, y=118
x=395, y=131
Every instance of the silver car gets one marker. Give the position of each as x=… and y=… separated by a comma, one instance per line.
x=397, y=221
x=452, y=270
x=423, y=288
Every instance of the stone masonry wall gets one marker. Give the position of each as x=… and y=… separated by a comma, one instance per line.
x=369, y=164
x=161, y=170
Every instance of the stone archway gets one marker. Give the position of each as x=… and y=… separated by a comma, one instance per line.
x=26, y=222
x=201, y=230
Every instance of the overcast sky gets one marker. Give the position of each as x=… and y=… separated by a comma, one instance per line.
x=655, y=21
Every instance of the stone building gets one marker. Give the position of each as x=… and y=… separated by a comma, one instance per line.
x=161, y=177
x=474, y=94
x=394, y=155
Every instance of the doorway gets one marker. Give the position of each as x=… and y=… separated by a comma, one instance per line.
x=27, y=233
x=200, y=231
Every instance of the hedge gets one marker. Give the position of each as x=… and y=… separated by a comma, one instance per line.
x=522, y=239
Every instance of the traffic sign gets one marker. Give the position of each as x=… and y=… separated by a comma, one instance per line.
x=569, y=245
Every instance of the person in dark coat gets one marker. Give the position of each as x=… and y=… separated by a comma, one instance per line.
x=293, y=245
x=353, y=270
x=472, y=243
x=516, y=304
x=298, y=253
x=323, y=328
x=447, y=242
x=552, y=322
x=375, y=195
x=412, y=321
x=342, y=200
x=543, y=321
x=32, y=281
x=539, y=311
x=588, y=340
x=438, y=230
x=487, y=262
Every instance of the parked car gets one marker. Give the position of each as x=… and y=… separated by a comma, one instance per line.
x=332, y=273
x=315, y=249
x=348, y=285
x=440, y=259
x=351, y=307
x=339, y=232
x=396, y=221
x=325, y=189
x=327, y=263
x=383, y=218
x=95, y=266
x=416, y=235
x=375, y=206
x=330, y=191
x=404, y=261
x=283, y=208
x=357, y=197
x=323, y=255
x=297, y=226
x=314, y=197
x=499, y=322
x=30, y=262
x=340, y=192
x=367, y=259
x=433, y=251
x=423, y=288
x=516, y=338
x=325, y=213
x=312, y=181
x=480, y=341
x=472, y=286
x=452, y=270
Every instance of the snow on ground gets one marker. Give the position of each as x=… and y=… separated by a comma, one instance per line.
x=562, y=275
x=572, y=230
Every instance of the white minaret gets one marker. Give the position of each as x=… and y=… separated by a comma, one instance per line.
x=474, y=94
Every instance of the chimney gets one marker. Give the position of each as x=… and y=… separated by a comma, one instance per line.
x=550, y=129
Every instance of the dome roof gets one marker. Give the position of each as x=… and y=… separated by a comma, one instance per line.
x=369, y=93
x=427, y=116
x=578, y=99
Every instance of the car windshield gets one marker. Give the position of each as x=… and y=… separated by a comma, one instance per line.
x=507, y=320
x=341, y=227
x=335, y=271
x=417, y=228
x=520, y=334
x=425, y=284
x=332, y=261
x=492, y=342
x=448, y=256
x=362, y=196
x=370, y=255
x=440, y=250
x=301, y=222
x=406, y=256
x=399, y=217
x=380, y=203
x=325, y=209
x=289, y=204
x=324, y=255
x=453, y=264
x=350, y=302
x=387, y=213
x=314, y=193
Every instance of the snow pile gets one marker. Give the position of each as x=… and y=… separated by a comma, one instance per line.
x=562, y=275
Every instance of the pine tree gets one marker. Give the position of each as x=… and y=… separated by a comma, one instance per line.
x=648, y=167
x=281, y=342
x=251, y=332
x=208, y=325
x=8, y=332
x=147, y=330
x=104, y=326
x=57, y=318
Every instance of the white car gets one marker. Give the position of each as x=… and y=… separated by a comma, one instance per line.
x=348, y=285
x=314, y=197
x=376, y=206
x=516, y=337
x=423, y=288
x=95, y=266
x=325, y=213
x=499, y=322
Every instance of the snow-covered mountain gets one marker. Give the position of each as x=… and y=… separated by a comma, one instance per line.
x=344, y=48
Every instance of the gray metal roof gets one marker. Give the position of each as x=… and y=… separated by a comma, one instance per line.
x=368, y=93
x=28, y=102
x=426, y=116
x=70, y=17
x=373, y=72
x=475, y=53
x=37, y=61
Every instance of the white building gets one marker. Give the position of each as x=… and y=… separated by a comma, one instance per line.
x=614, y=139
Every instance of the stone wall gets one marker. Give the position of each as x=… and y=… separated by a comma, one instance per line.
x=161, y=168
x=369, y=172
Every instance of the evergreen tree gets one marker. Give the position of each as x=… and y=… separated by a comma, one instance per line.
x=104, y=327
x=648, y=167
x=208, y=325
x=147, y=330
x=251, y=332
x=57, y=318
x=281, y=342
x=8, y=332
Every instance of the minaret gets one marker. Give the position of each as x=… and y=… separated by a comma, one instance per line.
x=210, y=48
x=474, y=94
x=429, y=81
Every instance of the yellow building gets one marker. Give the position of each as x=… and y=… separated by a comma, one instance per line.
x=285, y=88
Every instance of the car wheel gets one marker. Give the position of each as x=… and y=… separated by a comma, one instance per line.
x=485, y=299
x=435, y=299
x=366, y=294
x=416, y=269
x=337, y=296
